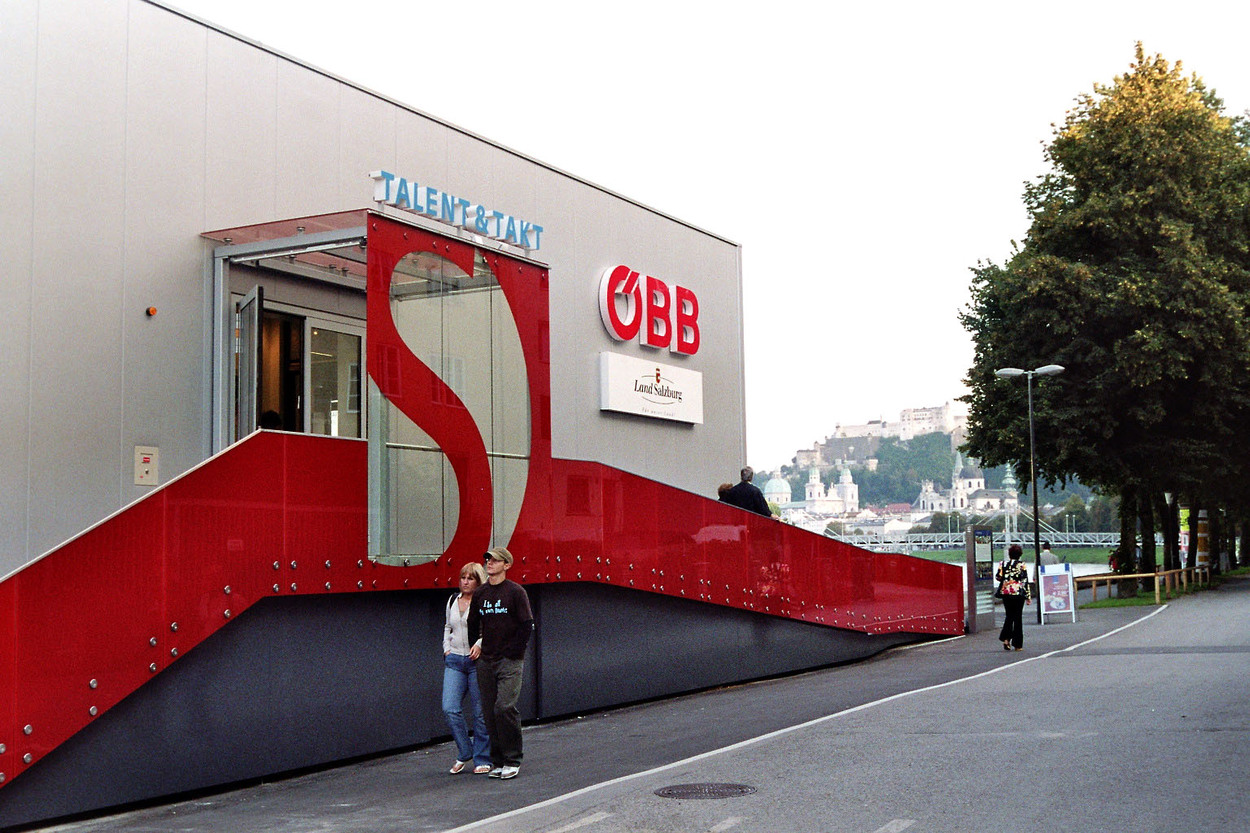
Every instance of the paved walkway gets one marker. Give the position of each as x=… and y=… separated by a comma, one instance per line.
x=1131, y=719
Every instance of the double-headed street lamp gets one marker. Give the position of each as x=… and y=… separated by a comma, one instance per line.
x=1009, y=373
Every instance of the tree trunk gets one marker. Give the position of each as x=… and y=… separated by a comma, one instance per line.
x=1125, y=553
x=1166, y=511
x=1146, y=528
x=1194, y=508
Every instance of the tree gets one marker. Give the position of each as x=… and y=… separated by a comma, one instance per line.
x=1135, y=276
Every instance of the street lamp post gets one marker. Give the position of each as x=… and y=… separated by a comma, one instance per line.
x=1008, y=373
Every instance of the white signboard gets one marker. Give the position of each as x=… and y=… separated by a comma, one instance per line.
x=1057, y=591
x=632, y=385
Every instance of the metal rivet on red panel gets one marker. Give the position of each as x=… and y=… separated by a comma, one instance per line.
x=293, y=565
x=327, y=585
x=277, y=566
x=1, y=777
x=327, y=563
x=226, y=613
x=93, y=711
x=27, y=758
x=93, y=684
x=293, y=587
x=173, y=652
x=152, y=668
x=173, y=626
x=557, y=559
x=361, y=563
x=405, y=582
x=28, y=729
x=360, y=585
x=3, y=748
x=579, y=575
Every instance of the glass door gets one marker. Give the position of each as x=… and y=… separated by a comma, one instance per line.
x=248, y=316
x=334, y=358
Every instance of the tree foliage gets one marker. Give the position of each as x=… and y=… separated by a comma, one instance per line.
x=1135, y=276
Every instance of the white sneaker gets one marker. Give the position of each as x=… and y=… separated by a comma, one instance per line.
x=510, y=772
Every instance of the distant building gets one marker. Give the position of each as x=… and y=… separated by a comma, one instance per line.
x=841, y=499
x=777, y=491
x=858, y=444
x=968, y=493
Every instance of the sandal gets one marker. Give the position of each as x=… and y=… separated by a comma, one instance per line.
x=458, y=767
x=482, y=769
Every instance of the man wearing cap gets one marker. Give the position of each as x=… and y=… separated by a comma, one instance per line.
x=500, y=623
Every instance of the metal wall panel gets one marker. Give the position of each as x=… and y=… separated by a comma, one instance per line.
x=307, y=117
x=18, y=49
x=240, y=165
x=163, y=377
x=76, y=286
x=367, y=141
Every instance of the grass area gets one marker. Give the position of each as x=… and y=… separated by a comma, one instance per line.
x=1075, y=555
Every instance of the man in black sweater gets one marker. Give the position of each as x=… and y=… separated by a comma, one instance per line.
x=500, y=623
x=746, y=495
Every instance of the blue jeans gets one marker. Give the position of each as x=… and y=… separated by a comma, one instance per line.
x=459, y=678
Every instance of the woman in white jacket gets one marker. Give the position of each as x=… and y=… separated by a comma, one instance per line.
x=460, y=677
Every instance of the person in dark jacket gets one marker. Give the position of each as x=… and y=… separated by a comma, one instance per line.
x=746, y=495
x=500, y=622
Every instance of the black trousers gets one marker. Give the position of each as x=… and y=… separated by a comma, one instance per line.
x=499, y=681
x=1013, y=628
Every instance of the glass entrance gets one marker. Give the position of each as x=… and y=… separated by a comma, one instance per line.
x=334, y=362
x=297, y=371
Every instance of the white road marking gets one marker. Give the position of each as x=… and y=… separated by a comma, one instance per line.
x=732, y=821
x=581, y=823
x=734, y=747
x=896, y=826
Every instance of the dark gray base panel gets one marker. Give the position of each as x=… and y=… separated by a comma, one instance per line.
x=307, y=681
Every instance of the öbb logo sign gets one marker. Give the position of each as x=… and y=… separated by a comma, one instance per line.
x=646, y=308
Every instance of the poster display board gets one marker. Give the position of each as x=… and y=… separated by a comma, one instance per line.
x=1057, y=590
x=980, y=577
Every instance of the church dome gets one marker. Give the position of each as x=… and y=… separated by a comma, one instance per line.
x=777, y=490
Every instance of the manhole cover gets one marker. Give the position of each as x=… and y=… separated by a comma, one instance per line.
x=704, y=791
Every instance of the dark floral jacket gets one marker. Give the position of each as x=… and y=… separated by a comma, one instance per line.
x=1015, y=578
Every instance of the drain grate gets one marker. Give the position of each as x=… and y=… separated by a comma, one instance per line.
x=704, y=791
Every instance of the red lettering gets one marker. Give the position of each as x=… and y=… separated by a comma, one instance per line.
x=620, y=283
x=646, y=308
x=659, y=332
x=686, y=321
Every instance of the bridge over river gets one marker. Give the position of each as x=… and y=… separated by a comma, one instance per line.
x=912, y=541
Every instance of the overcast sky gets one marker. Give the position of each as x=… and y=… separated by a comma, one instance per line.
x=865, y=155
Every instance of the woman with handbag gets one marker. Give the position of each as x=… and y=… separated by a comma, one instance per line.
x=1013, y=578
x=460, y=677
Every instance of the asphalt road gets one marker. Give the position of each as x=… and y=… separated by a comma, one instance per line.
x=1130, y=719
